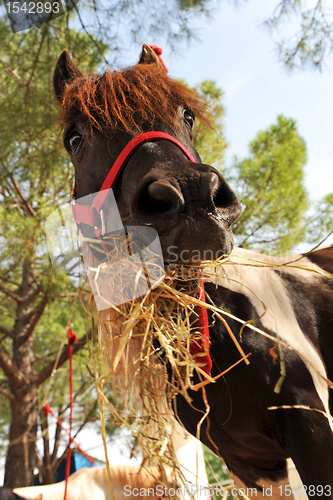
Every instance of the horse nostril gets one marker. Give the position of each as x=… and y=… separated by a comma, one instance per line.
x=161, y=196
x=213, y=182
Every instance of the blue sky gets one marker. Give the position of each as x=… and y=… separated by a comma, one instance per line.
x=236, y=51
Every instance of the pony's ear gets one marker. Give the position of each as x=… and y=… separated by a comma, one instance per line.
x=65, y=71
x=150, y=56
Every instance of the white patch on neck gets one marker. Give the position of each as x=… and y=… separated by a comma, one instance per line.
x=254, y=276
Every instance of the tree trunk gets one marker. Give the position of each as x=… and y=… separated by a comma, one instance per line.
x=23, y=383
x=47, y=469
x=21, y=456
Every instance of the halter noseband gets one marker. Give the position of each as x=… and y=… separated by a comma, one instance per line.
x=90, y=214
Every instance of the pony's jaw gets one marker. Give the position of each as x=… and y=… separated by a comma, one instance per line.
x=195, y=242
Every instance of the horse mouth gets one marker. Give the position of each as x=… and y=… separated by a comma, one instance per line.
x=198, y=240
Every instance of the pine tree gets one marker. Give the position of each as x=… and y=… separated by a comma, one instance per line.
x=36, y=177
x=270, y=185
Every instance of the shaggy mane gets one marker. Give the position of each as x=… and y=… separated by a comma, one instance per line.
x=126, y=100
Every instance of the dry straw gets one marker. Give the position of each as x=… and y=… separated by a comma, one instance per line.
x=145, y=344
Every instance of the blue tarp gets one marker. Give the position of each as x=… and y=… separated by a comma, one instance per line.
x=78, y=461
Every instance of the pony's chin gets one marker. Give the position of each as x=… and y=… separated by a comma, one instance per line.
x=189, y=250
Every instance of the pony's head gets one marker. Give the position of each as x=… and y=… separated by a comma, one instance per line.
x=188, y=203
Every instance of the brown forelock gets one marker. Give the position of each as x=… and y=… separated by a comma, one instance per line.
x=126, y=100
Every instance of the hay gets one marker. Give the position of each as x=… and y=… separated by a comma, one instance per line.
x=145, y=344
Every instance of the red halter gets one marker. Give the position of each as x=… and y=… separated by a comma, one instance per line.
x=90, y=215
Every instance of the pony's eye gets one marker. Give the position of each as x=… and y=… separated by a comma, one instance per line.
x=189, y=118
x=74, y=142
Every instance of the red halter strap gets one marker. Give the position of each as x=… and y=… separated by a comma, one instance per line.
x=89, y=214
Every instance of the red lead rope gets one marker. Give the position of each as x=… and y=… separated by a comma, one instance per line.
x=202, y=345
x=48, y=410
x=71, y=339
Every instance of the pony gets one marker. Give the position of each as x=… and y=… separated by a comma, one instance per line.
x=275, y=404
